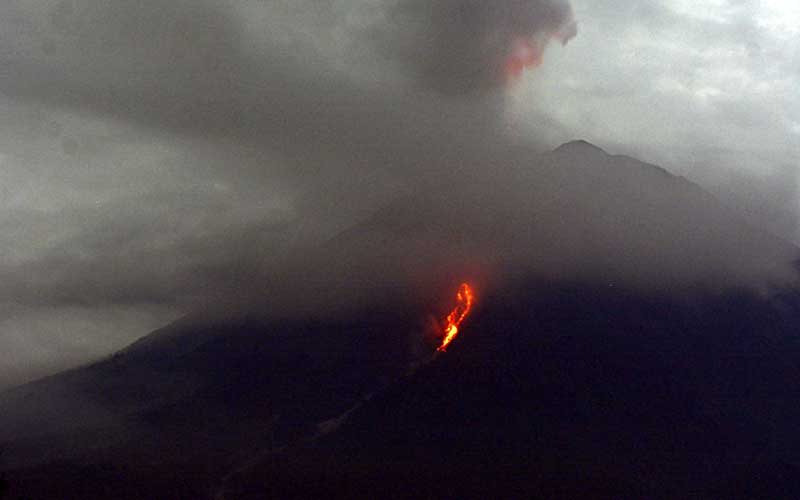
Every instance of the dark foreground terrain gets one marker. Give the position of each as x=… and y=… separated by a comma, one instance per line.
x=549, y=392
x=575, y=394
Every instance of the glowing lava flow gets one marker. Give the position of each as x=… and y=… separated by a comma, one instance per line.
x=454, y=319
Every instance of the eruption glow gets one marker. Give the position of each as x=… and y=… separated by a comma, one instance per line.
x=527, y=52
x=523, y=56
x=464, y=298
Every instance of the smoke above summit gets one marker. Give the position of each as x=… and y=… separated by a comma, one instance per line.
x=337, y=110
x=458, y=46
x=310, y=153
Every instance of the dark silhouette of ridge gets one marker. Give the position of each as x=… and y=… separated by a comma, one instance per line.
x=579, y=145
x=555, y=388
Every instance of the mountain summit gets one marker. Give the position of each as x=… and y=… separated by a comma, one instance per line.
x=576, y=213
x=571, y=378
x=579, y=145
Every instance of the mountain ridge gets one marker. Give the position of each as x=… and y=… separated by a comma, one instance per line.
x=178, y=410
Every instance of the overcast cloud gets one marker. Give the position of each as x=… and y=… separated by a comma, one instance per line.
x=707, y=89
x=155, y=154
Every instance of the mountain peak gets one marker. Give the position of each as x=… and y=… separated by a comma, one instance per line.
x=579, y=145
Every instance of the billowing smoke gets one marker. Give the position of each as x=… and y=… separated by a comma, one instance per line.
x=459, y=46
x=317, y=155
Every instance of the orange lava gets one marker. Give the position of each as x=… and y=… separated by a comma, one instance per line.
x=464, y=297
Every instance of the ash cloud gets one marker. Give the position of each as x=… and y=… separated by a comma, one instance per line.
x=461, y=46
x=381, y=123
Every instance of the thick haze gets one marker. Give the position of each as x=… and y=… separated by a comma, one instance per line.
x=160, y=155
x=705, y=88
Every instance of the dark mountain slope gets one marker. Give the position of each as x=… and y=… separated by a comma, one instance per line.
x=632, y=338
x=185, y=405
x=574, y=214
x=575, y=393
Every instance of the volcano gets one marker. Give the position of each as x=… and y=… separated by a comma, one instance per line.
x=568, y=381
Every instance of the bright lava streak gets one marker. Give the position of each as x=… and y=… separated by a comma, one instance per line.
x=464, y=299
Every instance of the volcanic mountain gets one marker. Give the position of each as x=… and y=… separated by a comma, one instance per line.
x=571, y=378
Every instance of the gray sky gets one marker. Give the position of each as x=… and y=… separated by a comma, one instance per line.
x=706, y=88
x=154, y=155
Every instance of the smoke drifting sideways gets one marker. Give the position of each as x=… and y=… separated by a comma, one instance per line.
x=397, y=162
x=475, y=204
x=466, y=46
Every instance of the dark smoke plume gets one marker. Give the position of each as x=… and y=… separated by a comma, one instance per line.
x=459, y=46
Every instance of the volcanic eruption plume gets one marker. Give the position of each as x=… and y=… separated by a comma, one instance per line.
x=527, y=53
x=460, y=46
